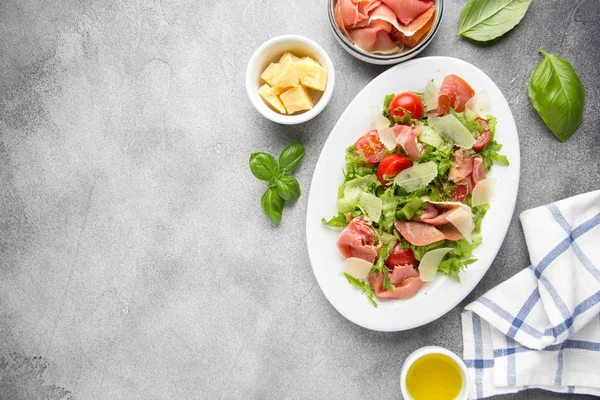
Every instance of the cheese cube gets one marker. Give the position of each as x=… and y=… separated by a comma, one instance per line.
x=287, y=77
x=288, y=57
x=276, y=91
x=272, y=100
x=270, y=73
x=296, y=99
x=311, y=74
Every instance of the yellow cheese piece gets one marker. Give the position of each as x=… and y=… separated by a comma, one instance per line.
x=273, y=101
x=287, y=77
x=296, y=99
x=270, y=73
x=277, y=90
x=288, y=57
x=311, y=74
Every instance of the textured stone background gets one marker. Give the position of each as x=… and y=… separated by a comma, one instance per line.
x=135, y=262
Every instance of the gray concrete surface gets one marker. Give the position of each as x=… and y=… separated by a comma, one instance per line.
x=135, y=262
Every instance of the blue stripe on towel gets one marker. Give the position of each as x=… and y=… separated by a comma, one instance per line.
x=560, y=219
x=478, y=339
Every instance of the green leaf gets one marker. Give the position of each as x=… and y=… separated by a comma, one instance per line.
x=272, y=205
x=288, y=188
x=386, y=105
x=491, y=156
x=339, y=221
x=365, y=287
x=291, y=156
x=484, y=20
x=558, y=95
x=263, y=166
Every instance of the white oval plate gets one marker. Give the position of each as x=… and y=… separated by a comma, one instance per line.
x=439, y=296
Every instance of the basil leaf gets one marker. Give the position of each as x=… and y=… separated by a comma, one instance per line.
x=288, y=188
x=484, y=20
x=272, y=205
x=557, y=94
x=291, y=156
x=263, y=166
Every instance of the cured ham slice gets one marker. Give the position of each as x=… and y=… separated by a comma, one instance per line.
x=412, y=33
x=358, y=240
x=374, y=37
x=455, y=93
x=407, y=139
x=339, y=20
x=406, y=283
x=462, y=166
x=421, y=234
x=428, y=212
x=478, y=171
x=349, y=13
x=408, y=10
x=407, y=22
x=437, y=214
x=401, y=272
x=366, y=6
x=384, y=13
x=466, y=172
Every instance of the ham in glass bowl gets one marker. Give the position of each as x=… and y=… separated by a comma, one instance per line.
x=384, y=32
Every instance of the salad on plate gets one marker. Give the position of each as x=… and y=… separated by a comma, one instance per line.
x=415, y=189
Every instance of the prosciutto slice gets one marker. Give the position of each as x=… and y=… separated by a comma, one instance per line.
x=422, y=234
x=407, y=139
x=405, y=280
x=440, y=219
x=455, y=93
x=408, y=10
x=374, y=38
x=462, y=166
x=466, y=172
x=407, y=22
x=412, y=33
x=358, y=240
x=349, y=13
x=478, y=170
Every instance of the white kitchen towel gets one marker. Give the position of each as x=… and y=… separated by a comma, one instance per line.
x=541, y=328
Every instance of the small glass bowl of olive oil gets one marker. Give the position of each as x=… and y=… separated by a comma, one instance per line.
x=434, y=373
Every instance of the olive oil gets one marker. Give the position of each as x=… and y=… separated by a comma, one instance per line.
x=434, y=377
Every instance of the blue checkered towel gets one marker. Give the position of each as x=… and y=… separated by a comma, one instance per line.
x=541, y=328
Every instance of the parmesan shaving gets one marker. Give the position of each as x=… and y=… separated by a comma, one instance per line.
x=378, y=120
x=480, y=103
x=416, y=176
x=452, y=129
x=431, y=262
x=430, y=96
x=463, y=221
x=388, y=138
x=357, y=268
x=483, y=191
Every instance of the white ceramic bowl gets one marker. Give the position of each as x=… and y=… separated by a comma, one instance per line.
x=423, y=351
x=271, y=51
x=381, y=59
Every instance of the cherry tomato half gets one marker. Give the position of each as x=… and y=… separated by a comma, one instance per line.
x=391, y=166
x=483, y=138
x=406, y=101
x=399, y=256
x=370, y=147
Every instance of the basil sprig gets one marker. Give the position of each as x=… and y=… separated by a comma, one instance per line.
x=484, y=20
x=557, y=94
x=282, y=186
